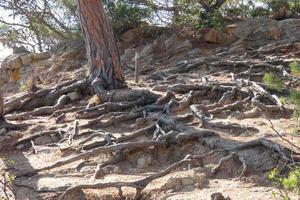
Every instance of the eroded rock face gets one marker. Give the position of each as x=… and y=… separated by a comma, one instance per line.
x=18, y=66
x=269, y=29
x=164, y=49
x=22, y=66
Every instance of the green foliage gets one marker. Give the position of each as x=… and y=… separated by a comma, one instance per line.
x=295, y=68
x=273, y=82
x=193, y=17
x=38, y=25
x=124, y=16
x=290, y=183
x=283, y=100
x=295, y=99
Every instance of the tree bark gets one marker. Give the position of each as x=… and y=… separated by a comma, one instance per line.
x=1, y=108
x=103, y=59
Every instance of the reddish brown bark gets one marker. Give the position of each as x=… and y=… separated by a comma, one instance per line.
x=102, y=54
x=1, y=108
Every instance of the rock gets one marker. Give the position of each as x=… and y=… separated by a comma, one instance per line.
x=184, y=46
x=130, y=36
x=290, y=29
x=218, y=196
x=173, y=184
x=43, y=140
x=258, y=29
x=147, y=52
x=74, y=96
x=15, y=134
x=41, y=56
x=194, y=53
x=2, y=131
x=26, y=59
x=205, y=102
x=187, y=181
x=20, y=147
x=215, y=36
x=144, y=161
x=117, y=170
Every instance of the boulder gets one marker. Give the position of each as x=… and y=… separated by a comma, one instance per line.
x=290, y=29
x=131, y=36
x=215, y=36
x=258, y=29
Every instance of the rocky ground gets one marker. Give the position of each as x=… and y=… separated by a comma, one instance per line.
x=199, y=122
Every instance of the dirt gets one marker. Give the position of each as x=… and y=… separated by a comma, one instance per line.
x=186, y=182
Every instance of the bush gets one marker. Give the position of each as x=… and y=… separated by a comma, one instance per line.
x=273, y=82
x=295, y=68
x=193, y=17
x=290, y=183
x=125, y=17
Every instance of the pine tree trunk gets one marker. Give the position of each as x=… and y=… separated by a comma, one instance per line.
x=2, y=120
x=103, y=58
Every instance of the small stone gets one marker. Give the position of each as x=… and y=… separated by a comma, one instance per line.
x=74, y=96
x=117, y=170
x=187, y=181
x=15, y=134
x=26, y=59
x=205, y=102
x=2, y=131
x=20, y=147
x=144, y=161
x=42, y=140
x=218, y=196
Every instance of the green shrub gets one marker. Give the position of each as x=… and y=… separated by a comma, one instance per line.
x=193, y=17
x=125, y=16
x=294, y=97
x=295, y=68
x=290, y=183
x=273, y=82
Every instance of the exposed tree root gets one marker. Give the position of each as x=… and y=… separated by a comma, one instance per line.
x=67, y=110
x=232, y=106
x=139, y=185
x=48, y=110
x=43, y=97
x=253, y=113
x=32, y=137
x=107, y=108
x=233, y=156
x=93, y=152
x=144, y=131
x=283, y=152
x=208, y=124
x=113, y=120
